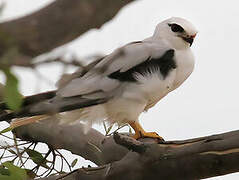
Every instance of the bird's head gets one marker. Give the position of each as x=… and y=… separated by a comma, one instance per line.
x=178, y=32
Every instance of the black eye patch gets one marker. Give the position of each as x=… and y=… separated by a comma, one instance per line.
x=176, y=28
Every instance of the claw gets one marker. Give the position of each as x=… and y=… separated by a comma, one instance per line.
x=140, y=133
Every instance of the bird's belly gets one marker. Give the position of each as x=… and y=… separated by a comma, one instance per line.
x=155, y=88
x=135, y=98
x=122, y=110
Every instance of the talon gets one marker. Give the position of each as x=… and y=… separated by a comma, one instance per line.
x=151, y=135
x=140, y=133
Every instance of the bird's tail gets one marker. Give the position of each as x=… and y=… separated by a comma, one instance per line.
x=29, y=101
x=35, y=112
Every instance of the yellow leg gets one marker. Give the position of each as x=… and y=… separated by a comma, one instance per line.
x=140, y=132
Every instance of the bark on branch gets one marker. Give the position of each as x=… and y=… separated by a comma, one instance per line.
x=190, y=159
x=53, y=26
x=92, y=146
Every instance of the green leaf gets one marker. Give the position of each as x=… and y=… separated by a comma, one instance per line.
x=6, y=130
x=3, y=177
x=15, y=173
x=37, y=158
x=1, y=91
x=4, y=171
x=105, y=128
x=108, y=130
x=12, y=97
x=74, y=162
x=130, y=130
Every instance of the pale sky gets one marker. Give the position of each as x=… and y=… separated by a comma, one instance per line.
x=206, y=103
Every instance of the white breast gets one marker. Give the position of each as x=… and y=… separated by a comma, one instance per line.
x=185, y=65
x=151, y=88
x=154, y=87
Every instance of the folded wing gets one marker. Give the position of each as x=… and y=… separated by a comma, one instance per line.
x=95, y=85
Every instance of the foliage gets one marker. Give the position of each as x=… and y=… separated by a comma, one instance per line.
x=21, y=153
x=12, y=97
x=74, y=162
x=6, y=130
x=10, y=172
x=37, y=158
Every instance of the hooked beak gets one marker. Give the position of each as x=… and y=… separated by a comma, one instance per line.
x=189, y=39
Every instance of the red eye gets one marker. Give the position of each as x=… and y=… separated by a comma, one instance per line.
x=176, y=28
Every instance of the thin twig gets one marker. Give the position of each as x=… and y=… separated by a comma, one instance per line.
x=6, y=136
x=53, y=164
x=10, y=146
x=120, y=127
x=18, y=152
x=69, y=166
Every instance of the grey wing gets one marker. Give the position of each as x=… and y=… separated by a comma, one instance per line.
x=66, y=78
x=94, y=86
x=97, y=80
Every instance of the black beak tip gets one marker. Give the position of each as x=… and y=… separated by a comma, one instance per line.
x=189, y=40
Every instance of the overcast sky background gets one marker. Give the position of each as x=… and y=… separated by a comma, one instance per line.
x=206, y=103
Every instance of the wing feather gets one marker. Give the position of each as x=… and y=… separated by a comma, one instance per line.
x=122, y=59
x=93, y=86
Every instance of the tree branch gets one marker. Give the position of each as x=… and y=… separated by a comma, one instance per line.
x=93, y=146
x=173, y=160
x=55, y=25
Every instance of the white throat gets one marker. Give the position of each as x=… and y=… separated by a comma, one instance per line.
x=185, y=65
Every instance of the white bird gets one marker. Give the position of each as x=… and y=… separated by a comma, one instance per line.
x=122, y=85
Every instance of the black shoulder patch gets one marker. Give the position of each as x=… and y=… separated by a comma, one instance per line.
x=165, y=64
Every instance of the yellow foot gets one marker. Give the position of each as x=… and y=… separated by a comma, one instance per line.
x=147, y=135
x=140, y=133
